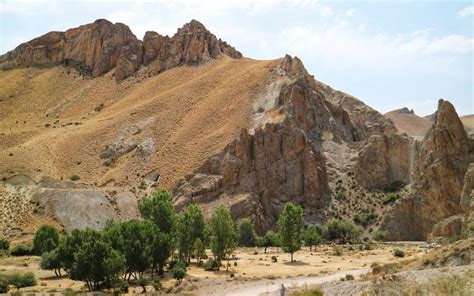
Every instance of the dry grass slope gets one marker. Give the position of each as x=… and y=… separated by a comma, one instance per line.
x=408, y=123
x=56, y=123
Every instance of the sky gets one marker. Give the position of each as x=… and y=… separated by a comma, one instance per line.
x=389, y=54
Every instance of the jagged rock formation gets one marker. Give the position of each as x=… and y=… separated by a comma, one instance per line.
x=467, y=201
x=385, y=162
x=101, y=46
x=258, y=173
x=442, y=161
x=192, y=44
x=282, y=159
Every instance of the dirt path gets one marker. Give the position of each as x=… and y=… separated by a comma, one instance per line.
x=273, y=287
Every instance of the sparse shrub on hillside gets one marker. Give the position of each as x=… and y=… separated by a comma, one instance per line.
x=4, y=285
x=74, y=178
x=365, y=219
x=398, y=253
x=471, y=226
x=290, y=226
x=211, y=265
x=274, y=259
x=394, y=186
x=20, y=250
x=46, y=239
x=4, y=244
x=390, y=197
x=306, y=292
x=380, y=235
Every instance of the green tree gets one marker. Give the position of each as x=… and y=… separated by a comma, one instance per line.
x=223, y=236
x=46, y=239
x=342, y=231
x=159, y=210
x=270, y=239
x=199, y=249
x=189, y=227
x=179, y=271
x=311, y=237
x=51, y=261
x=96, y=262
x=247, y=236
x=133, y=239
x=70, y=245
x=290, y=226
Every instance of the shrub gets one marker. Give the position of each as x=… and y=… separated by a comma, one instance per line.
x=4, y=244
x=274, y=259
x=342, y=231
x=210, y=265
x=157, y=285
x=386, y=268
x=122, y=286
x=20, y=250
x=20, y=280
x=390, y=197
x=74, y=178
x=312, y=292
x=380, y=235
x=3, y=285
x=349, y=277
x=247, y=236
x=179, y=271
x=50, y=261
x=365, y=219
x=398, y=253
x=471, y=226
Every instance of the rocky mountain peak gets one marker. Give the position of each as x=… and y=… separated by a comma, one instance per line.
x=101, y=46
x=405, y=110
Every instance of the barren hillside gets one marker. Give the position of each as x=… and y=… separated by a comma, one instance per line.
x=408, y=122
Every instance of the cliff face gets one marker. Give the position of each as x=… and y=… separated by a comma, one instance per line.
x=99, y=47
x=442, y=161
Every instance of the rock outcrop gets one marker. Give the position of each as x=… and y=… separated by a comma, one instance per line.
x=81, y=206
x=97, y=48
x=467, y=202
x=385, y=162
x=258, y=173
x=192, y=44
x=442, y=161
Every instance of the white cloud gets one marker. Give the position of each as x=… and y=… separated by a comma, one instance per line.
x=350, y=12
x=466, y=11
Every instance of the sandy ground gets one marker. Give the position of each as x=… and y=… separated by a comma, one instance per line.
x=253, y=273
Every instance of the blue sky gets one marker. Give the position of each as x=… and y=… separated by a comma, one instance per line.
x=388, y=54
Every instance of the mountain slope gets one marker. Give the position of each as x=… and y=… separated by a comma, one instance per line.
x=408, y=122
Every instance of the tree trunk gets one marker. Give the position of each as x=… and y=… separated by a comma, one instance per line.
x=160, y=269
x=291, y=257
x=310, y=246
x=265, y=251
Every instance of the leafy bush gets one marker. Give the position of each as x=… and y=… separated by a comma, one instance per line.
x=50, y=261
x=342, y=231
x=3, y=285
x=274, y=259
x=4, y=244
x=471, y=226
x=19, y=280
x=380, y=235
x=398, y=253
x=122, y=286
x=389, y=198
x=74, y=178
x=247, y=236
x=365, y=219
x=179, y=271
x=349, y=277
x=20, y=250
x=210, y=265
x=46, y=239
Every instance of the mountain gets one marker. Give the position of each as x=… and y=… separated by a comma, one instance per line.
x=408, y=122
x=94, y=118
x=468, y=122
